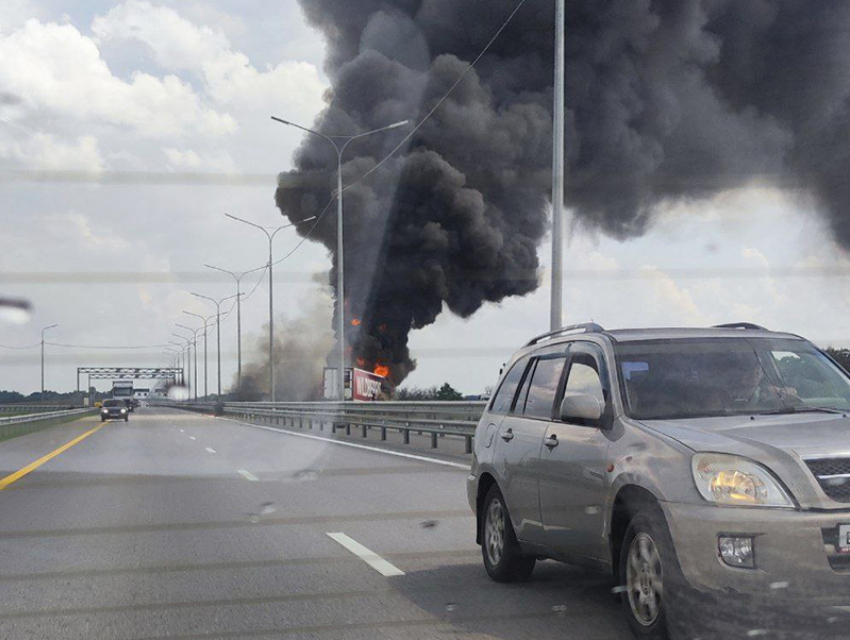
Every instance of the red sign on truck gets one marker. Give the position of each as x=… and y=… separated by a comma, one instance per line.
x=360, y=385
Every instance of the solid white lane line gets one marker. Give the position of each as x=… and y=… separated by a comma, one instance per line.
x=250, y=477
x=210, y=450
x=372, y=559
x=354, y=445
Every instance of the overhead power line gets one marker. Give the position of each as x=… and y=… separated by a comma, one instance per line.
x=30, y=346
x=106, y=347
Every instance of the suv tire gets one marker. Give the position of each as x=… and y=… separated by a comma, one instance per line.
x=649, y=573
x=499, y=547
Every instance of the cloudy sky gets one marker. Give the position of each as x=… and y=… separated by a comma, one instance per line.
x=127, y=130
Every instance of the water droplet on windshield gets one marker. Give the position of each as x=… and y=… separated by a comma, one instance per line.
x=428, y=524
x=620, y=589
x=178, y=393
x=306, y=475
x=15, y=311
x=451, y=606
x=267, y=508
x=560, y=610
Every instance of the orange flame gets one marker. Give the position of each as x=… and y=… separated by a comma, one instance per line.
x=355, y=322
x=381, y=370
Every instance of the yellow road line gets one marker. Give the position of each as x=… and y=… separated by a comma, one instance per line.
x=32, y=466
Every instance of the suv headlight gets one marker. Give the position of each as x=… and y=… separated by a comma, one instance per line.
x=732, y=480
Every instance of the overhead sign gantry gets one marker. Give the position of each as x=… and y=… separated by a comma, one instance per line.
x=130, y=373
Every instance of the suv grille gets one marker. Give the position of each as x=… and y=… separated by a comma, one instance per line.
x=833, y=474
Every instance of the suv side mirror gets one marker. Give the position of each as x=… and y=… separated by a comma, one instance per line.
x=582, y=408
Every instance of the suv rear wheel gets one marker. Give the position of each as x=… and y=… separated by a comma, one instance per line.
x=502, y=557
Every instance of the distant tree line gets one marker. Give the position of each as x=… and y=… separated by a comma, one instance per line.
x=429, y=394
x=15, y=397
x=841, y=356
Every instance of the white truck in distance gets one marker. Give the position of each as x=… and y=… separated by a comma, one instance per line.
x=123, y=390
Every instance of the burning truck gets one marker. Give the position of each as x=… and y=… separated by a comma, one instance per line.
x=360, y=385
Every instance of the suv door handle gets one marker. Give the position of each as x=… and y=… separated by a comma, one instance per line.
x=508, y=435
x=551, y=441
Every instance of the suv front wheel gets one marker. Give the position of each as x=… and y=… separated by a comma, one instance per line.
x=650, y=574
x=502, y=557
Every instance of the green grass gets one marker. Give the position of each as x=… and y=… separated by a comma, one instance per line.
x=7, y=432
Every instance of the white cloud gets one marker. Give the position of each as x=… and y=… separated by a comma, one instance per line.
x=229, y=77
x=79, y=226
x=55, y=68
x=44, y=151
x=190, y=160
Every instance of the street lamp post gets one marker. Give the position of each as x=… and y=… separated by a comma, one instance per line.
x=173, y=356
x=217, y=304
x=556, y=304
x=237, y=276
x=180, y=356
x=270, y=234
x=335, y=140
x=195, y=344
x=206, y=322
x=192, y=380
x=43, y=331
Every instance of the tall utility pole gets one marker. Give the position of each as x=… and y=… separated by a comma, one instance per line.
x=270, y=232
x=42, y=357
x=238, y=277
x=335, y=140
x=557, y=302
x=194, y=333
x=206, y=322
x=217, y=304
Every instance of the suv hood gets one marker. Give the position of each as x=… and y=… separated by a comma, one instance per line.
x=807, y=434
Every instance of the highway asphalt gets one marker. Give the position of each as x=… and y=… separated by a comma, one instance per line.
x=176, y=525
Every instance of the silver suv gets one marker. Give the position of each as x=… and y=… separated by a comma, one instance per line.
x=682, y=461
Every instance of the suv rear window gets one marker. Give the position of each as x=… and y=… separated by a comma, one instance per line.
x=544, y=387
x=504, y=397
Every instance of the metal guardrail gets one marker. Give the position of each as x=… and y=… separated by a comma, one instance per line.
x=43, y=415
x=436, y=419
x=33, y=408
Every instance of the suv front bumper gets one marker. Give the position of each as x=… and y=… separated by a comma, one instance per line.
x=795, y=554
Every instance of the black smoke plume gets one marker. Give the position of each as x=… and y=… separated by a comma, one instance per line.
x=666, y=99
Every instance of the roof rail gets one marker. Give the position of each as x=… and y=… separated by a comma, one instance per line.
x=586, y=327
x=740, y=325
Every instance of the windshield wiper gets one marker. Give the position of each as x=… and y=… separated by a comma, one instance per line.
x=802, y=409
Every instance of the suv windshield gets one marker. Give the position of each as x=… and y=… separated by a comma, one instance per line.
x=114, y=403
x=664, y=379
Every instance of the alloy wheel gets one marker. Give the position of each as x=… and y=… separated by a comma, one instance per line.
x=644, y=579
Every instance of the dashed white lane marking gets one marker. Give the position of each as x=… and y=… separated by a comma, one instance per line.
x=210, y=450
x=250, y=477
x=192, y=438
x=354, y=445
x=375, y=561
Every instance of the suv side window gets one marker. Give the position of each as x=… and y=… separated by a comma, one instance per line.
x=504, y=398
x=545, y=381
x=587, y=373
x=584, y=378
